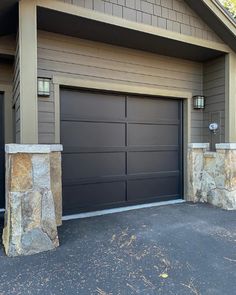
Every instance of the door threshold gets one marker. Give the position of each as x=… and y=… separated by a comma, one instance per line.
x=121, y=209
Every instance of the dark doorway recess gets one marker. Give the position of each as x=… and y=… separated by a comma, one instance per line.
x=119, y=150
x=2, y=154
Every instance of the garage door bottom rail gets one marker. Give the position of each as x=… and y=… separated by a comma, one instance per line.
x=77, y=210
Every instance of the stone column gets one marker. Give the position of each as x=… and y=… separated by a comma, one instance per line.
x=224, y=196
x=33, y=198
x=212, y=175
x=195, y=168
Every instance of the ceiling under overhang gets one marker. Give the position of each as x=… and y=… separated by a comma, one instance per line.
x=8, y=17
x=67, y=24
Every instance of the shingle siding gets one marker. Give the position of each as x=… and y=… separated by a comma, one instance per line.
x=173, y=15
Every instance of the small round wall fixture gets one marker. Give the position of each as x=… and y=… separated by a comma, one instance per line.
x=198, y=102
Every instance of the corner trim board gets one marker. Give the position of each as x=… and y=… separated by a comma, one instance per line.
x=230, y=102
x=28, y=71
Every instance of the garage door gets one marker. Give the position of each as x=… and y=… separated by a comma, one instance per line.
x=2, y=196
x=119, y=150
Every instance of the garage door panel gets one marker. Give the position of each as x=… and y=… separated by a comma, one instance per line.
x=92, y=105
x=86, y=165
x=148, y=162
x=2, y=194
x=147, y=189
x=119, y=150
x=91, y=196
x=93, y=134
x=147, y=134
x=2, y=156
x=147, y=109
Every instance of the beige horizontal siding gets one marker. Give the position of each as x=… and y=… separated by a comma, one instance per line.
x=77, y=58
x=46, y=119
x=214, y=90
x=172, y=15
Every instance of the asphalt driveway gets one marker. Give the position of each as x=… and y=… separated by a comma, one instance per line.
x=176, y=249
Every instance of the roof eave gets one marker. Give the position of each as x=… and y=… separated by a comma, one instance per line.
x=217, y=19
x=225, y=12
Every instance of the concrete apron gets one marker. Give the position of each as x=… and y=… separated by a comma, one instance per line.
x=212, y=175
x=33, y=198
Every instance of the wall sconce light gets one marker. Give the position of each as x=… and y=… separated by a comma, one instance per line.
x=44, y=87
x=198, y=102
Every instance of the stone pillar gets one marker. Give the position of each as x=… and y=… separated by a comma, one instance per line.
x=195, y=169
x=224, y=195
x=33, y=198
x=212, y=175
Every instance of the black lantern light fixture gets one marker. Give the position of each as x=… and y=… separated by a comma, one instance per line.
x=198, y=102
x=44, y=87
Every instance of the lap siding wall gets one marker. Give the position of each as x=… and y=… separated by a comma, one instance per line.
x=77, y=58
x=214, y=90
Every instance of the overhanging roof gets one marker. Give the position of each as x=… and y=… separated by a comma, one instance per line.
x=217, y=18
x=209, y=10
x=87, y=28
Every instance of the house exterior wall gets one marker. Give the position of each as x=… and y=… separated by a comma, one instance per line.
x=214, y=90
x=76, y=58
x=172, y=15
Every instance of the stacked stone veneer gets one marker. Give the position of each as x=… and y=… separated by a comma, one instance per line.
x=212, y=175
x=33, y=198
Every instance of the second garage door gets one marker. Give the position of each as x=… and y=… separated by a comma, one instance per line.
x=2, y=163
x=119, y=150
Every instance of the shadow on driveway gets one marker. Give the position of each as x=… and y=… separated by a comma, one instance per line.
x=131, y=253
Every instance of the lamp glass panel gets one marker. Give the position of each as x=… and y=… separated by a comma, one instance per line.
x=199, y=102
x=46, y=86
x=43, y=87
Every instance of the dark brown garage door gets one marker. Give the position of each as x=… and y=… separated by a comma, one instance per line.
x=2, y=197
x=119, y=150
